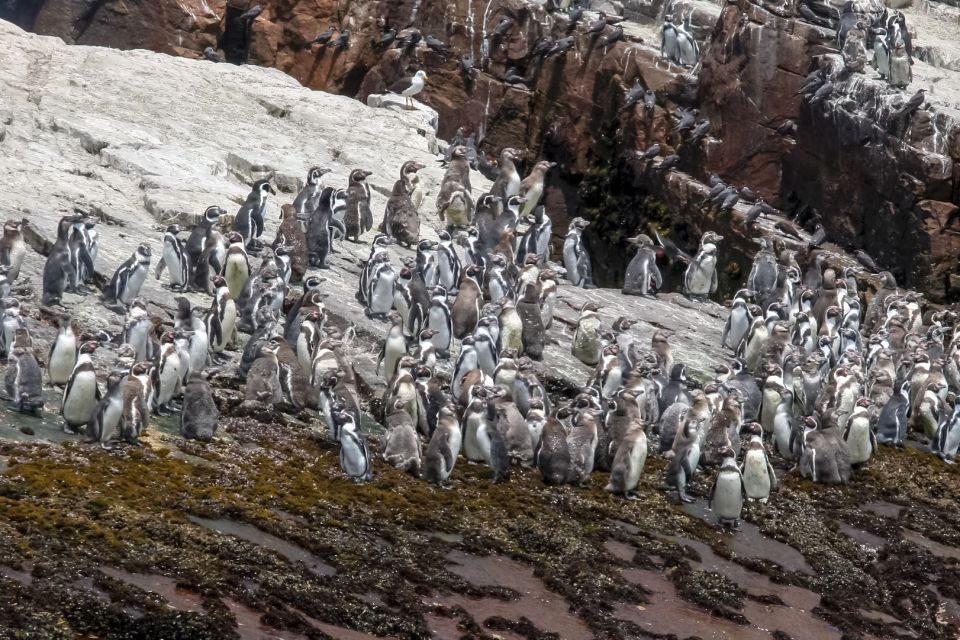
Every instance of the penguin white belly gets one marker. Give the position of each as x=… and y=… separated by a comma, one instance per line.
x=739, y=325
x=437, y=321
x=471, y=446
x=693, y=457
x=570, y=260
x=687, y=49
x=484, y=444
x=80, y=404
x=353, y=458
x=756, y=479
x=951, y=443
x=381, y=296
x=236, y=273
x=63, y=359
x=110, y=421
x=547, y=307
x=228, y=324
x=768, y=409
x=728, y=496
x=169, y=379
x=781, y=435
x=199, y=350
x=132, y=290
x=859, y=445
x=304, y=357
x=446, y=274
x=638, y=459
x=513, y=185
x=171, y=258
x=668, y=44
x=454, y=442
x=700, y=276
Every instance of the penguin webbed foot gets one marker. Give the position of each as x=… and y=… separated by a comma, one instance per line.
x=631, y=495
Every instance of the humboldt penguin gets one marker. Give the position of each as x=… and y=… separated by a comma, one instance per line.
x=318, y=237
x=12, y=249
x=727, y=492
x=167, y=374
x=582, y=444
x=669, y=37
x=440, y=321
x=576, y=260
x=901, y=73
x=628, y=463
x=511, y=326
x=757, y=472
x=291, y=235
x=448, y=263
x=203, y=249
x=125, y=284
x=200, y=417
x=23, y=380
x=858, y=434
x=686, y=455
x=507, y=183
x=891, y=427
x=401, y=446
x=173, y=258
x=700, y=278
x=58, y=273
x=249, y=220
x=533, y=334
x=444, y=447
x=587, y=345
x=552, y=455
x=688, y=53
x=532, y=186
x=136, y=398
x=63, y=353
x=825, y=458
x=359, y=218
x=105, y=425
x=381, y=286
x=738, y=322
x=354, y=454
x=263, y=376
x=400, y=218
x=306, y=200
x=236, y=270
x=81, y=395
x=548, y=296
x=642, y=275
x=454, y=202
x=466, y=306
x=947, y=439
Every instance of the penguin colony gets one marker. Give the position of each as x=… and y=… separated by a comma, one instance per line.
x=816, y=380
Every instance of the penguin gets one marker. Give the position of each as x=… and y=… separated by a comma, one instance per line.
x=548, y=296
x=498, y=279
x=724, y=432
x=586, y=346
x=881, y=53
x=81, y=395
x=354, y=454
x=306, y=200
x=400, y=218
x=10, y=323
x=401, y=447
x=221, y=319
x=642, y=275
x=318, y=237
x=237, y=267
x=204, y=249
x=860, y=438
x=531, y=187
x=105, y=426
x=91, y=241
x=448, y=263
x=474, y=415
x=536, y=239
x=358, y=218
x=58, y=273
x=200, y=417
x=947, y=439
x=444, y=447
x=23, y=380
x=582, y=444
x=394, y=347
x=12, y=249
x=552, y=455
x=80, y=260
x=825, y=458
x=576, y=259
x=675, y=391
x=466, y=306
x=250, y=219
x=167, y=374
x=137, y=397
x=738, y=323
x=900, y=73
x=380, y=294
x=688, y=53
x=535, y=419
x=487, y=354
x=173, y=258
x=608, y=375
x=63, y=353
x=757, y=472
x=263, y=376
x=891, y=427
x=700, y=278
x=507, y=183
x=426, y=264
x=291, y=235
x=125, y=284
x=686, y=455
x=669, y=36
x=533, y=334
x=628, y=463
x=783, y=427
x=728, y=491
x=440, y=321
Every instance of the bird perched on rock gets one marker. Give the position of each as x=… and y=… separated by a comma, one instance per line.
x=410, y=87
x=323, y=38
x=211, y=54
x=342, y=41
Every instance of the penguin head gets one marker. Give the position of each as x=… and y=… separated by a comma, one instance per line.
x=89, y=346
x=263, y=187
x=140, y=368
x=212, y=214
x=12, y=226
x=358, y=175
x=315, y=173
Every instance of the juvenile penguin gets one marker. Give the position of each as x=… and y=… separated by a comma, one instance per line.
x=354, y=454
x=358, y=218
x=727, y=492
x=12, y=249
x=947, y=439
x=686, y=455
x=249, y=220
x=642, y=275
x=401, y=446
x=758, y=476
x=237, y=267
x=552, y=455
x=700, y=278
x=129, y=277
x=532, y=186
x=291, y=235
x=825, y=458
x=582, y=443
x=81, y=395
x=628, y=463
x=400, y=218
x=137, y=391
x=23, y=380
x=174, y=259
x=63, y=353
x=466, y=306
x=58, y=273
x=507, y=183
x=263, y=376
x=200, y=417
x=533, y=334
x=318, y=237
x=587, y=345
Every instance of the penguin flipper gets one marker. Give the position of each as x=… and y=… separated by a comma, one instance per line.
x=774, y=486
x=160, y=265
x=713, y=489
